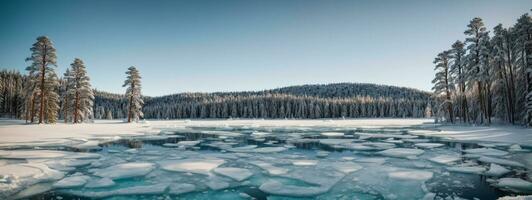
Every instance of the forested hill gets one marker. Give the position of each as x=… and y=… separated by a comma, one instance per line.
x=307, y=101
x=350, y=100
x=352, y=90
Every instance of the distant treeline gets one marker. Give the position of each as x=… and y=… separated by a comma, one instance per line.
x=350, y=100
x=302, y=102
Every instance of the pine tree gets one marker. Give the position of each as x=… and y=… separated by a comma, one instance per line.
x=133, y=94
x=443, y=82
x=81, y=92
x=66, y=87
x=459, y=76
x=476, y=32
x=42, y=59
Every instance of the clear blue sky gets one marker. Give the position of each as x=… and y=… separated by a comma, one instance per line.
x=206, y=46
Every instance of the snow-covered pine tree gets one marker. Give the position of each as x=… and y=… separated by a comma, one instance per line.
x=475, y=32
x=42, y=60
x=443, y=83
x=133, y=94
x=80, y=91
x=51, y=98
x=458, y=73
x=66, y=87
x=504, y=73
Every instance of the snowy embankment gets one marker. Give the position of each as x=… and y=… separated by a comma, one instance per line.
x=502, y=134
x=16, y=132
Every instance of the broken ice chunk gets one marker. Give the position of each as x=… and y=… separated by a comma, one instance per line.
x=401, y=152
x=72, y=181
x=199, y=166
x=428, y=145
x=445, y=159
x=238, y=174
x=467, y=169
x=500, y=161
x=125, y=170
x=497, y=170
x=486, y=152
x=100, y=183
x=416, y=175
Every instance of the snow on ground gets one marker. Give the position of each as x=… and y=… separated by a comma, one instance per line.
x=494, y=133
x=16, y=132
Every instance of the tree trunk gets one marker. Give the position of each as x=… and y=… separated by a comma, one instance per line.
x=76, y=107
x=41, y=113
x=130, y=102
x=33, y=107
x=65, y=108
x=528, y=52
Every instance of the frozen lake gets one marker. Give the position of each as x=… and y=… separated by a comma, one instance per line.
x=267, y=162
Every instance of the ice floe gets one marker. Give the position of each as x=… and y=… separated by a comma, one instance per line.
x=416, y=175
x=428, y=145
x=445, y=159
x=496, y=170
x=277, y=188
x=181, y=188
x=238, y=174
x=401, y=152
x=199, y=166
x=72, y=181
x=271, y=169
x=500, y=161
x=486, y=152
x=125, y=170
x=515, y=185
x=467, y=169
x=332, y=134
x=304, y=162
x=100, y=183
x=346, y=167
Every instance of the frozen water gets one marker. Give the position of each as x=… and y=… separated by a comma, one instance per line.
x=500, y=161
x=200, y=166
x=72, y=181
x=445, y=159
x=515, y=184
x=266, y=162
x=277, y=188
x=486, y=152
x=332, y=134
x=181, y=188
x=346, y=167
x=428, y=145
x=100, y=183
x=126, y=170
x=497, y=170
x=271, y=169
x=401, y=152
x=238, y=174
x=467, y=169
x=304, y=162
x=416, y=175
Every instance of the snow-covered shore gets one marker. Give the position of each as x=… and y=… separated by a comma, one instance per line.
x=16, y=132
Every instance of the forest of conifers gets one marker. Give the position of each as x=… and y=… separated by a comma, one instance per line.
x=488, y=75
x=348, y=100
